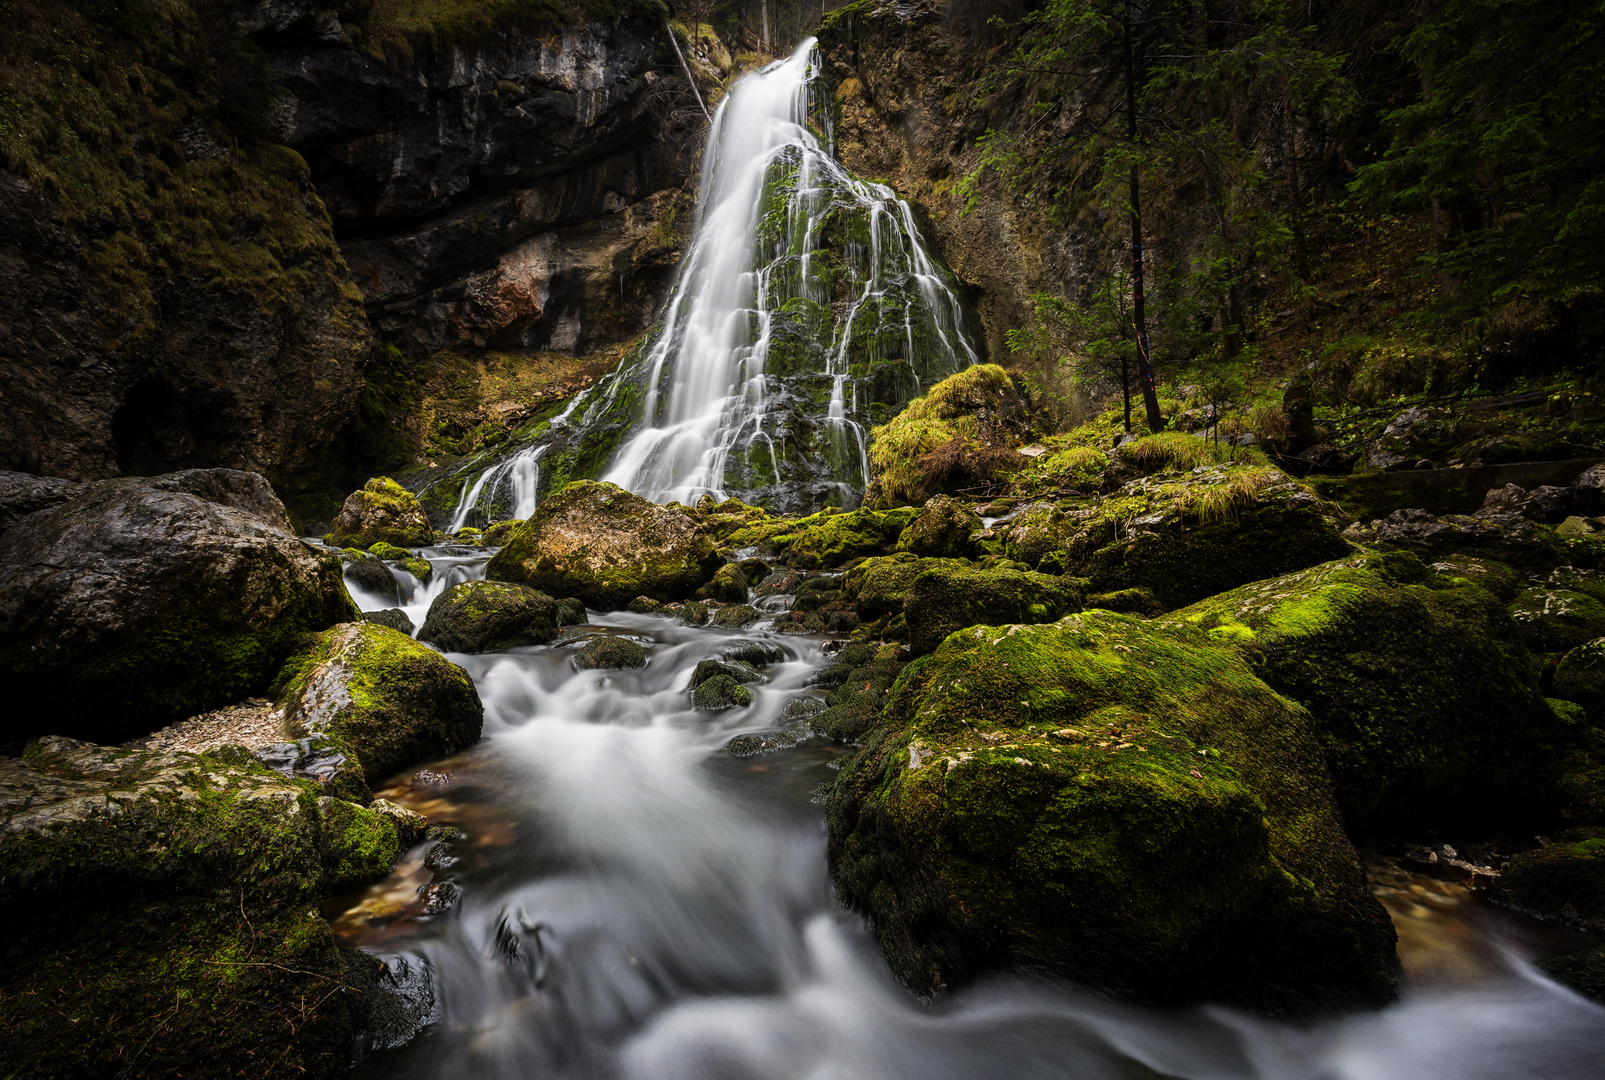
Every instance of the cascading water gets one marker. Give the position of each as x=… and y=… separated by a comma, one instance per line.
x=636, y=903
x=507, y=490
x=807, y=309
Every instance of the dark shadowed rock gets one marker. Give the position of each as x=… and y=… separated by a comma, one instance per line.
x=394, y=618
x=22, y=494
x=372, y=575
x=489, y=616
x=138, y=605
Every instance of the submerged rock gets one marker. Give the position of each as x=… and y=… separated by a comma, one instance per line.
x=610, y=652
x=382, y=698
x=142, y=603
x=382, y=511
x=490, y=616
x=606, y=546
x=392, y=998
x=1426, y=701
x=1103, y=802
x=120, y=864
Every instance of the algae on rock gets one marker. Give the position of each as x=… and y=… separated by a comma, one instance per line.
x=490, y=616
x=382, y=511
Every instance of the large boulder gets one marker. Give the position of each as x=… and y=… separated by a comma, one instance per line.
x=1101, y=801
x=945, y=528
x=606, y=546
x=22, y=494
x=382, y=511
x=147, y=600
x=943, y=600
x=490, y=616
x=877, y=585
x=379, y=699
x=1506, y=536
x=1189, y=535
x=1427, y=703
x=1563, y=881
x=830, y=539
x=166, y=906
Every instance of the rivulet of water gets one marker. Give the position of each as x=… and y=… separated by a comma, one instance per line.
x=637, y=903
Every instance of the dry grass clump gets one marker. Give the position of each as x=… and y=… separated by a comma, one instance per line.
x=1174, y=450
x=1236, y=489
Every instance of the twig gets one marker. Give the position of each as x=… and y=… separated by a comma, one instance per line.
x=687, y=69
x=281, y=967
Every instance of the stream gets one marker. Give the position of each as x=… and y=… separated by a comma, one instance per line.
x=636, y=902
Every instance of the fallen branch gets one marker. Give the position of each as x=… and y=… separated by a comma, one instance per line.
x=687, y=69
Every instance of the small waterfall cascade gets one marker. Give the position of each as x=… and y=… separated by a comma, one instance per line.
x=807, y=309
x=504, y=490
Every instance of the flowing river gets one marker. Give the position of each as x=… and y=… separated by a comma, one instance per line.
x=634, y=901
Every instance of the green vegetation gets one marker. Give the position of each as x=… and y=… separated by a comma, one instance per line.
x=958, y=432
x=396, y=30
x=490, y=616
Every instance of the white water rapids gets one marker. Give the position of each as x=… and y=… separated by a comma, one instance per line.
x=636, y=903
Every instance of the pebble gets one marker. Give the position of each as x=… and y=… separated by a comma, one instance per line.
x=252, y=723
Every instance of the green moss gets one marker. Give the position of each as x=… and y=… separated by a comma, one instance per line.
x=900, y=451
x=1562, y=881
x=360, y=845
x=942, y=600
x=1427, y=703
x=1108, y=803
x=383, y=512
x=829, y=540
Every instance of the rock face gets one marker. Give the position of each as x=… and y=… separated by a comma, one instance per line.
x=605, y=547
x=383, y=512
x=23, y=493
x=1099, y=801
x=143, y=602
x=1425, y=699
x=120, y=864
x=381, y=699
x=489, y=616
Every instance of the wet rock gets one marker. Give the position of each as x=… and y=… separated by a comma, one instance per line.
x=606, y=546
x=490, y=616
x=720, y=692
x=942, y=601
x=1190, y=535
x=1588, y=491
x=1563, y=881
x=373, y=576
x=644, y=605
x=694, y=613
x=801, y=710
x=1104, y=802
x=570, y=612
x=22, y=494
x=1424, y=696
x=799, y=622
x=1582, y=971
x=382, y=511
x=734, y=669
x=752, y=651
x=384, y=699
x=1499, y=535
x=391, y=996
x=439, y=897
x=736, y=616
x=767, y=743
x=119, y=863
x=1566, y=611
x=140, y=603
x=1580, y=677
x=394, y=618
x=410, y=825
x=945, y=528
x=421, y=569
x=610, y=652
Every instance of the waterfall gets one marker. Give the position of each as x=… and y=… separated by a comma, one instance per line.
x=806, y=310
x=519, y=477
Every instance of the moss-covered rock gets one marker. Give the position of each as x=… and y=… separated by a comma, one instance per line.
x=945, y=528
x=1580, y=677
x=829, y=540
x=166, y=905
x=1490, y=574
x=384, y=699
x=422, y=569
x=606, y=546
x=644, y=605
x=729, y=586
x=1040, y=528
x=140, y=603
x=1554, y=617
x=720, y=692
x=736, y=616
x=940, y=601
x=1188, y=536
x=1563, y=881
x=1127, y=601
x=1583, y=971
x=610, y=652
x=498, y=534
x=1102, y=801
x=372, y=576
x=877, y=586
x=389, y=552
x=753, y=651
x=738, y=670
x=490, y=616
x=1426, y=701
x=381, y=511
x=1510, y=538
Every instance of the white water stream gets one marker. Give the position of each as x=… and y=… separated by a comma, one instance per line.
x=638, y=904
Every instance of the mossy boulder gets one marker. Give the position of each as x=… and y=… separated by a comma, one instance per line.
x=1190, y=535
x=720, y=692
x=1562, y=881
x=877, y=586
x=736, y=616
x=610, y=652
x=1101, y=801
x=1039, y=529
x=829, y=540
x=1427, y=703
x=1566, y=610
x=945, y=528
x=729, y=586
x=1583, y=971
x=1580, y=677
x=382, y=511
x=389, y=552
x=372, y=576
x=606, y=546
x=141, y=603
x=940, y=601
x=498, y=534
x=422, y=569
x=738, y=670
x=490, y=616
x=1128, y=601
x=166, y=905
x=394, y=618
x=382, y=698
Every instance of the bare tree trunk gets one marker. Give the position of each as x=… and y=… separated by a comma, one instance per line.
x=689, y=78
x=1139, y=321
x=764, y=5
